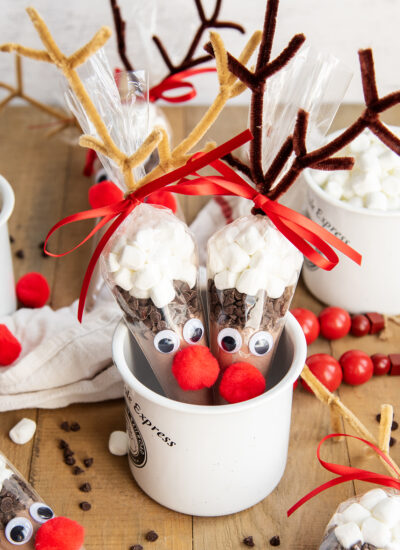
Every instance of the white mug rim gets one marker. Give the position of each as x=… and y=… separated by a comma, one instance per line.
x=295, y=333
x=8, y=200
x=341, y=204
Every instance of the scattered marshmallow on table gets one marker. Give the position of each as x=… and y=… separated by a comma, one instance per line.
x=23, y=431
x=118, y=444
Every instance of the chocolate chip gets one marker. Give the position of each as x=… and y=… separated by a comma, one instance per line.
x=70, y=460
x=6, y=505
x=151, y=536
x=85, y=506
x=88, y=462
x=378, y=417
x=41, y=245
x=75, y=427
x=85, y=488
x=395, y=425
x=45, y=255
x=275, y=541
x=136, y=547
x=68, y=452
x=20, y=254
x=63, y=444
x=392, y=441
x=65, y=426
x=248, y=541
x=12, y=240
x=77, y=471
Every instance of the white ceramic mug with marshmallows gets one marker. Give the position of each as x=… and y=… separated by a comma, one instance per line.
x=205, y=460
x=8, y=303
x=373, y=286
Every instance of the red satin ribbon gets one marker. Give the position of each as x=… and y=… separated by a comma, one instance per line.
x=177, y=81
x=348, y=473
x=120, y=210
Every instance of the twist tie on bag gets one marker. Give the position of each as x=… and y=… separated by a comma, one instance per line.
x=348, y=473
x=177, y=81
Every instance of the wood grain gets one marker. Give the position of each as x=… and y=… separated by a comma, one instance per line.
x=46, y=176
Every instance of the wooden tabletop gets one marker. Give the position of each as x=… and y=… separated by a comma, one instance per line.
x=48, y=183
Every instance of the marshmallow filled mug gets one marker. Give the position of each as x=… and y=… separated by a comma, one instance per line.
x=8, y=303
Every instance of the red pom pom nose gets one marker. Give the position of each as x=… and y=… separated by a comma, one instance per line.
x=240, y=382
x=195, y=368
x=104, y=193
x=163, y=198
x=33, y=290
x=60, y=534
x=10, y=348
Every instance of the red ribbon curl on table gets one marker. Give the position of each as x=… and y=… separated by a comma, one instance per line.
x=348, y=473
x=297, y=228
x=177, y=81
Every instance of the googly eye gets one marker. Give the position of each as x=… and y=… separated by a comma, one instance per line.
x=41, y=512
x=166, y=341
x=229, y=340
x=193, y=331
x=261, y=343
x=101, y=176
x=18, y=531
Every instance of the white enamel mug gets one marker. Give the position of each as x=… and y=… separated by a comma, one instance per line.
x=205, y=460
x=8, y=303
x=373, y=286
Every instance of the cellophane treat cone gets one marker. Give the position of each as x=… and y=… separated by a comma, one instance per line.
x=23, y=514
x=252, y=273
x=151, y=266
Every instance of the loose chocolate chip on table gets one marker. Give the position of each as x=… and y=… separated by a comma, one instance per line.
x=63, y=444
x=85, y=488
x=248, y=541
x=392, y=441
x=12, y=240
x=275, y=541
x=75, y=427
x=88, y=462
x=41, y=245
x=77, y=471
x=20, y=254
x=65, y=426
x=68, y=452
x=395, y=425
x=136, y=547
x=85, y=506
x=70, y=460
x=151, y=536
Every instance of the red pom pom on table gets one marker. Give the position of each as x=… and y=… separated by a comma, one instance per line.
x=195, y=368
x=10, y=348
x=163, y=198
x=33, y=290
x=240, y=382
x=60, y=534
x=104, y=193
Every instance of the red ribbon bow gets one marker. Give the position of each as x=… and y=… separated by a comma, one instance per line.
x=176, y=81
x=348, y=473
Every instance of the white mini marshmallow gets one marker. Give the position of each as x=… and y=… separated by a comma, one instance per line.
x=234, y=258
x=187, y=273
x=396, y=532
x=123, y=278
x=388, y=160
x=387, y=511
x=371, y=498
x=112, y=262
x=356, y=513
x=250, y=281
x=348, y=534
x=376, y=201
x=163, y=293
x=139, y=293
x=250, y=240
x=225, y=279
x=366, y=183
x=118, y=444
x=369, y=162
x=334, y=188
x=375, y=532
x=148, y=277
x=215, y=263
x=357, y=202
x=394, y=545
x=336, y=519
x=23, y=432
x=319, y=176
x=393, y=203
x=391, y=186
x=119, y=244
x=360, y=143
x=274, y=286
x=132, y=257
x=5, y=473
x=145, y=239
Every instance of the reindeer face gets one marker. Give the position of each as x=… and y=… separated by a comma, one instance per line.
x=21, y=530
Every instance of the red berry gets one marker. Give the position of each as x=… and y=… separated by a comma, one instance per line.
x=308, y=322
x=357, y=367
x=381, y=363
x=61, y=534
x=33, y=290
x=335, y=323
x=10, y=348
x=104, y=193
x=360, y=325
x=163, y=198
x=326, y=369
x=240, y=382
x=195, y=368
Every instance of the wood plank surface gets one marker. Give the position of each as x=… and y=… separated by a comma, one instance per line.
x=48, y=182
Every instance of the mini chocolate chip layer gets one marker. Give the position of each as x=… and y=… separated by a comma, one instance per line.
x=275, y=541
x=233, y=308
x=248, y=541
x=85, y=506
x=151, y=536
x=143, y=311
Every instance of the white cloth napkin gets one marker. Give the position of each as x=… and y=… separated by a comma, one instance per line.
x=63, y=361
